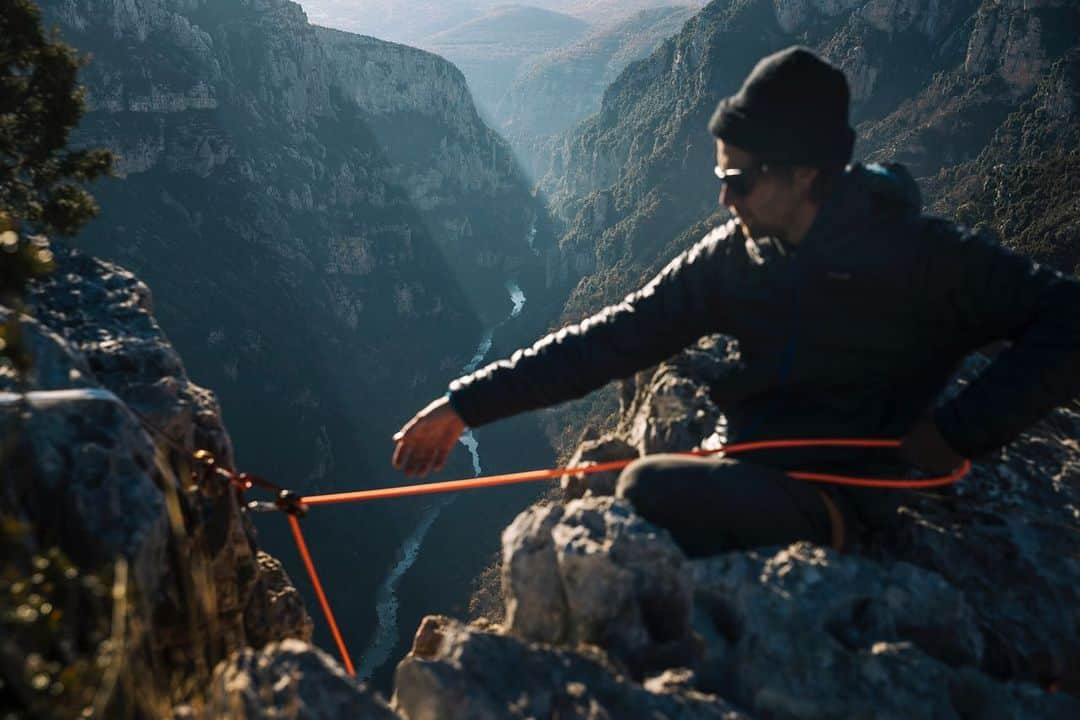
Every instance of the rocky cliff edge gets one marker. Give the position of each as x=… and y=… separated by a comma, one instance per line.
x=99, y=486
x=966, y=609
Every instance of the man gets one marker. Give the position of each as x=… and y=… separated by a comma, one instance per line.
x=852, y=310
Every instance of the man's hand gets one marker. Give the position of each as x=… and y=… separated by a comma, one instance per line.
x=424, y=442
x=927, y=450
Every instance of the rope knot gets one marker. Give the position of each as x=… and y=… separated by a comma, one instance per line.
x=290, y=503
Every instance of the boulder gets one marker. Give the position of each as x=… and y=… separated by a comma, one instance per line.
x=593, y=572
x=606, y=448
x=804, y=632
x=290, y=680
x=276, y=610
x=454, y=671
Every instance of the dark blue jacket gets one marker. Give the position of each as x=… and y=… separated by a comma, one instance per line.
x=854, y=332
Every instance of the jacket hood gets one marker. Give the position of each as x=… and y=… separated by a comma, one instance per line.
x=865, y=194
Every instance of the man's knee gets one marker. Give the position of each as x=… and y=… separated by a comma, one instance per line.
x=642, y=482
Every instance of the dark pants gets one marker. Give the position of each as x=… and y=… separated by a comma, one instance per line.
x=713, y=505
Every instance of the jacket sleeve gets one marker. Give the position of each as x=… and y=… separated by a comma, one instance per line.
x=995, y=294
x=679, y=305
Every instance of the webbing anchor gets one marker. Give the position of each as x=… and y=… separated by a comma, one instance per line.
x=286, y=501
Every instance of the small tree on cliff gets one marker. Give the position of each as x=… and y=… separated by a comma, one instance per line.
x=41, y=179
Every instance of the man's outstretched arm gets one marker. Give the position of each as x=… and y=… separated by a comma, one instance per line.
x=682, y=303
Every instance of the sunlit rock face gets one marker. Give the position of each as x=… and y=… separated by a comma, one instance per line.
x=98, y=464
x=460, y=175
x=455, y=670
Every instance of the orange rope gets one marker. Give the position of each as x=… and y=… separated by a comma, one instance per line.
x=885, y=482
x=306, y=557
x=535, y=475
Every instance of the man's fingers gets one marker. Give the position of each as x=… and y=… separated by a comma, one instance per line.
x=442, y=451
x=428, y=464
x=403, y=456
x=440, y=459
x=418, y=462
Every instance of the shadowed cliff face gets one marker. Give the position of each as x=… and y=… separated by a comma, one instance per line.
x=327, y=227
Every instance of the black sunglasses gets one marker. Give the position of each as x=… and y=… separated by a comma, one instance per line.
x=740, y=181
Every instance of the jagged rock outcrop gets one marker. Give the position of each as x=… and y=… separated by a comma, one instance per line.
x=97, y=463
x=455, y=671
x=596, y=573
x=806, y=633
x=675, y=411
x=89, y=448
x=290, y=680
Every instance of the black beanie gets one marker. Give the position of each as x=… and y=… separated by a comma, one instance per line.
x=791, y=110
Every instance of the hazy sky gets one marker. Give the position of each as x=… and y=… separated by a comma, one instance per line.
x=405, y=20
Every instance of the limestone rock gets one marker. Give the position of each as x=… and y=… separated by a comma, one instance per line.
x=80, y=468
x=606, y=448
x=794, y=15
x=290, y=680
x=454, y=671
x=99, y=464
x=806, y=633
x=593, y=572
x=1008, y=40
x=276, y=611
x=673, y=409
x=966, y=600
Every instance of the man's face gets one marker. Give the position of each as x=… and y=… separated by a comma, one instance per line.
x=768, y=209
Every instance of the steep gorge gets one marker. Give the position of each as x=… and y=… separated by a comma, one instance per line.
x=341, y=229
x=327, y=226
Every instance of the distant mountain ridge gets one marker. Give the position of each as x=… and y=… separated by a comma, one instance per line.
x=509, y=25
x=562, y=87
x=492, y=48
x=413, y=20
